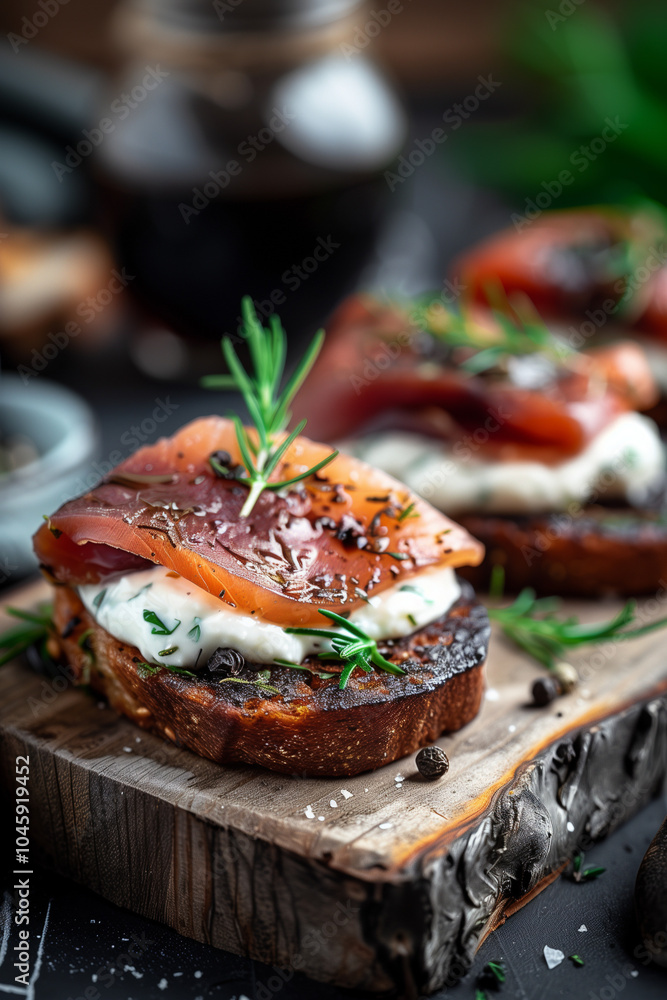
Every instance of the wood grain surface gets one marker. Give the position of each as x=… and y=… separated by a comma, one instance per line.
x=380, y=881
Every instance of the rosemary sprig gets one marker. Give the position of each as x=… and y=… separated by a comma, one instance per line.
x=36, y=628
x=267, y=405
x=160, y=627
x=356, y=649
x=519, y=331
x=535, y=626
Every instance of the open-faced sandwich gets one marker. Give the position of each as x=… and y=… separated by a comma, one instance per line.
x=538, y=449
x=255, y=597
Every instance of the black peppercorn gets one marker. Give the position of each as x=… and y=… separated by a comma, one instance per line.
x=432, y=762
x=225, y=663
x=545, y=690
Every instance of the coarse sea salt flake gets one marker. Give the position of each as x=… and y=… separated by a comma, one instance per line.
x=570, y=826
x=309, y=812
x=386, y=826
x=346, y=795
x=333, y=803
x=583, y=929
x=492, y=694
x=552, y=956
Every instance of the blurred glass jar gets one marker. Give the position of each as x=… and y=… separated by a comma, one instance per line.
x=246, y=139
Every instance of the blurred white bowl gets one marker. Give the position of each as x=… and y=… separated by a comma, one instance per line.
x=62, y=427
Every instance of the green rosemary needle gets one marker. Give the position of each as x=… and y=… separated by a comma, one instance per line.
x=534, y=625
x=267, y=405
x=356, y=649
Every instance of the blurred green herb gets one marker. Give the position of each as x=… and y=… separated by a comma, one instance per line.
x=35, y=628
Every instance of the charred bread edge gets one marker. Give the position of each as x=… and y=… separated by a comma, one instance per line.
x=600, y=553
x=316, y=730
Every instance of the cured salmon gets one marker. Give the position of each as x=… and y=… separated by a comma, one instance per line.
x=328, y=542
x=377, y=370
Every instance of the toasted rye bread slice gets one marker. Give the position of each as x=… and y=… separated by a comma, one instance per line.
x=603, y=552
x=313, y=728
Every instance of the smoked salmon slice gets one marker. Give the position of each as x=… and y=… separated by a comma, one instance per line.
x=346, y=533
x=376, y=371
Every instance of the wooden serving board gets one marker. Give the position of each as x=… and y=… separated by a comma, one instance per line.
x=372, y=882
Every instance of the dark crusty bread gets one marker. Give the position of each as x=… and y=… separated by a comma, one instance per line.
x=602, y=552
x=314, y=728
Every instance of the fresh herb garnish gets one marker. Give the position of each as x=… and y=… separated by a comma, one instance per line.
x=518, y=331
x=356, y=649
x=400, y=556
x=411, y=618
x=168, y=652
x=161, y=628
x=267, y=405
x=154, y=668
x=576, y=960
x=534, y=625
x=38, y=626
x=195, y=631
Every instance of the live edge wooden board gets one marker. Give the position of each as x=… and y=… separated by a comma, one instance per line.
x=370, y=882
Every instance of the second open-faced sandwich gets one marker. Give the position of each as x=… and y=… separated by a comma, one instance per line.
x=538, y=449
x=255, y=597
